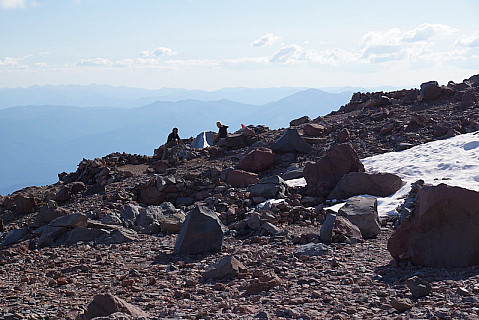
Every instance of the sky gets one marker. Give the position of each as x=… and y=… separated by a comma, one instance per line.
x=213, y=44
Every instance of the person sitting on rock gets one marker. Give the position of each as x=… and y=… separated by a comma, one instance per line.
x=173, y=138
x=222, y=132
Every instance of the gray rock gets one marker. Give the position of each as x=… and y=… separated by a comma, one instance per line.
x=293, y=173
x=401, y=305
x=290, y=141
x=120, y=235
x=202, y=232
x=162, y=218
x=363, y=213
x=74, y=220
x=49, y=235
x=345, y=231
x=15, y=236
x=185, y=201
x=269, y=187
x=129, y=214
x=312, y=249
x=226, y=268
x=254, y=221
x=326, y=231
x=84, y=235
x=358, y=183
x=418, y=287
x=107, y=304
x=112, y=219
x=271, y=228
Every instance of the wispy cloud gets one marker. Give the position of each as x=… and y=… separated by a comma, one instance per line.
x=159, y=52
x=266, y=40
x=468, y=41
x=9, y=61
x=426, y=31
x=12, y=4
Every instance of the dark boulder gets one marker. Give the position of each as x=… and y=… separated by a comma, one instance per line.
x=257, y=160
x=442, y=230
x=357, y=183
x=202, y=232
x=290, y=141
x=323, y=176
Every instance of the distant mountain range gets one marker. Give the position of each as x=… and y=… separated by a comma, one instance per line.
x=39, y=141
x=109, y=96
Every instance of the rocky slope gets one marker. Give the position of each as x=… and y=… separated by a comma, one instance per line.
x=111, y=226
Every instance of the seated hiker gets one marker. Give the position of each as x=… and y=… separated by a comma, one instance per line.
x=222, y=132
x=173, y=138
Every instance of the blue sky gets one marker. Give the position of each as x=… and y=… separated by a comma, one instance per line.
x=212, y=44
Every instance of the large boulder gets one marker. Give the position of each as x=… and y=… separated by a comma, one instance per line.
x=363, y=213
x=162, y=218
x=15, y=235
x=313, y=129
x=430, y=90
x=257, y=160
x=322, y=176
x=357, y=183
x=49, y=212
x=107, y=304
x=269, y=187
x=442, y=230
x=202, y=232
x=299, y=121
x=241, y=178
x=24, y=203
x=129, y=214
x=290, y=141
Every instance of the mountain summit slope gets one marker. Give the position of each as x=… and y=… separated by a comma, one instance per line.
x=111, y=225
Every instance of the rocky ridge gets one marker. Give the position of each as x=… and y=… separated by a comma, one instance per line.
x=110, y=227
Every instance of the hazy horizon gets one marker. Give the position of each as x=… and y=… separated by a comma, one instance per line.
x=213, y=44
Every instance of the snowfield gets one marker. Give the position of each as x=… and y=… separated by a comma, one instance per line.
x=453, y=161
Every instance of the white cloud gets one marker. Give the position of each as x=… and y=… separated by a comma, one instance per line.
x=426, y=31
x=9, y=61
x=96, y=62
x=12, y=4
x=159, y=52
x=266, y=40
x=468, y=41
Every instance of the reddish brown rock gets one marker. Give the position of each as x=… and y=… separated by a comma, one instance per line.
x=24, y=203
x=262, y=284
x=442, y=231
x=63, y=195
x=299, y=121
x=322, y=176
x=430, y=90
x=344, y=136
x=257, y=160
x=106, y=304
x=151, y=195
x=313, y=129
x=240, y=178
